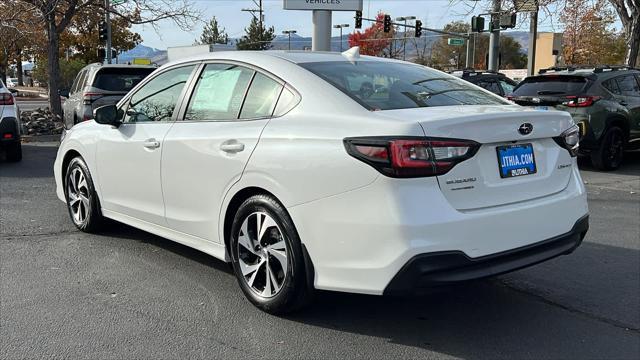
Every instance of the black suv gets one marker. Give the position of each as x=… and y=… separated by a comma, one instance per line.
x=495, y=82
x=604, y=101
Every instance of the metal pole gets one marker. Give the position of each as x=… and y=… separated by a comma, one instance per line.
x=107, y=19
x=289, y=41
x=404, y=40
x=533, y=35
x=468, y=59
x=494, y=39
x=321, y=30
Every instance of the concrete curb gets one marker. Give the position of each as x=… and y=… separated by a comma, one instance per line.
x=40, y=138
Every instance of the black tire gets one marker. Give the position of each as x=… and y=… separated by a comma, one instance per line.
x=87, y=204
x=14, y=152
x=610, y=153
x=294, y=292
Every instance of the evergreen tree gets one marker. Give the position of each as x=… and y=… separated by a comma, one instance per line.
x=257, y=37
x=213, y=33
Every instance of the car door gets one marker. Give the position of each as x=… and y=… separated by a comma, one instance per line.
x=629, y=97
x=206, y=151
x=70, y=103
x=128, y=157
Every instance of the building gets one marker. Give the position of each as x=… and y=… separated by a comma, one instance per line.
x=548, y=50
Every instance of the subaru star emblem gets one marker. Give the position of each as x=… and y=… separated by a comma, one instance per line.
x=525, y=129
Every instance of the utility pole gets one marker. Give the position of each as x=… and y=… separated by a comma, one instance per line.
x=471, y=48
x=404, y=42
x=533, y=34
x=260, y=12
x=107, y=19
x=289, y=32
x=341, y=26
x=494, y=39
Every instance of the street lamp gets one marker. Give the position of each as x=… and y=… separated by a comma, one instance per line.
x=289, y=32
x=404, y=42
x=341, y=26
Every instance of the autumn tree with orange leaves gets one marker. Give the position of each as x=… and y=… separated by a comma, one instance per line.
x=589, y=35
x=374, y=41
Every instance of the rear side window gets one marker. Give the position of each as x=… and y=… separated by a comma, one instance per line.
x=120, y=79
x=612, y=86
x=551, y=85
x=219, y=93
x=378, y=85
x=628, y=85
x=261, y=97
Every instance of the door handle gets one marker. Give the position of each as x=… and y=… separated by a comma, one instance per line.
x=152, y=144
x=232, y=146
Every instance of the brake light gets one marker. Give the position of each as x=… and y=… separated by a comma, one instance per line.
x=581, y=101
x=7, y=136
x=407, y=157
x=510, y=97
x=6, y=99
x=90, y=97
x=570, y=140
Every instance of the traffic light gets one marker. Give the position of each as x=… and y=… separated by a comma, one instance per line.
x=508, y=21
x=387, y=23
x=102, y=30
x=418, y=28
x=477, y=24
x=358, y=19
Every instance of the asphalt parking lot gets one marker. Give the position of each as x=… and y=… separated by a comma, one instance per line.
x=128, y=294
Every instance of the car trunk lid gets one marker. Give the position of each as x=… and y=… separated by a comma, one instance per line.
x=477, y=182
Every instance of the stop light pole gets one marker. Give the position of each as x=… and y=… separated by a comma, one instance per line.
x=494, y=39
x=107, y=19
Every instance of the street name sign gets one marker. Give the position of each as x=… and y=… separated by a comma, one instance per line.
x=455, y=41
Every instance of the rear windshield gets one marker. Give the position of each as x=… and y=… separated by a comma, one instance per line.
x=551, y=85
x=387, y=86
x=120, y=79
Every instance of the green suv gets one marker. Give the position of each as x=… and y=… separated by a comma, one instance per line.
x=603, y=101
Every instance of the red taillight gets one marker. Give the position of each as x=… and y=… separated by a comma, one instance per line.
x=510, y=97
x=90, y=97
x=581, y=101
x=411, y=157
x=6, y=99
x=7, y=136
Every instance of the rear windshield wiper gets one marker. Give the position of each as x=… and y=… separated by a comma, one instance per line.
x=550, y=92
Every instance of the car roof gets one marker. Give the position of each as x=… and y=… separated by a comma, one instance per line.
x=118, y=66
x=294, y=56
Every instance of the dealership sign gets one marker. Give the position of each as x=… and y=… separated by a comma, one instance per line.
x=332, y=5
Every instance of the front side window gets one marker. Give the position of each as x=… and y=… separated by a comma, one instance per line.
x=628, y=85
x=378, y=85
x=219, y=93
x=157, y=99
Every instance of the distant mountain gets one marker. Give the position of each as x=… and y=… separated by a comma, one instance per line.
x=155, y=55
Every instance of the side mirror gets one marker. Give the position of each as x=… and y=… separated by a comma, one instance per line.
x=64, y=93
x=107, y=115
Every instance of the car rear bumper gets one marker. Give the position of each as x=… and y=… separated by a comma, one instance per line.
x=360, y=240
x=448, y=267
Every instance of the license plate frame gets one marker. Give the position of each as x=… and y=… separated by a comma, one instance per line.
x=519, y=163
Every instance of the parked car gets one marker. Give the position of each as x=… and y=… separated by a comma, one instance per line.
x=604, y=102
x=12, y=82
x=10, y=125
x=286, y=165
x=97, y=85
x=495, y=82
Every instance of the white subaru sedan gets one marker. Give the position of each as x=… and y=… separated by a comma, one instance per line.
x=329, y=171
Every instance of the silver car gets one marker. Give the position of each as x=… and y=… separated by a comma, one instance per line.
x=97, y=85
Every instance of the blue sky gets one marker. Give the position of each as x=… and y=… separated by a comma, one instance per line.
x=433, y=13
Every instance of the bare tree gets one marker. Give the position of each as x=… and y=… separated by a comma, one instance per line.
x=56, y=15
x=629, y=13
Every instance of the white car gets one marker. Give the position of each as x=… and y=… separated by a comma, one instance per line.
x=12, y=82
x=10, y=125
x=329, y=171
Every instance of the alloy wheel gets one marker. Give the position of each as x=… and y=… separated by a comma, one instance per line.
x=78, y=196
x=615, y=149
x=262, y=254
